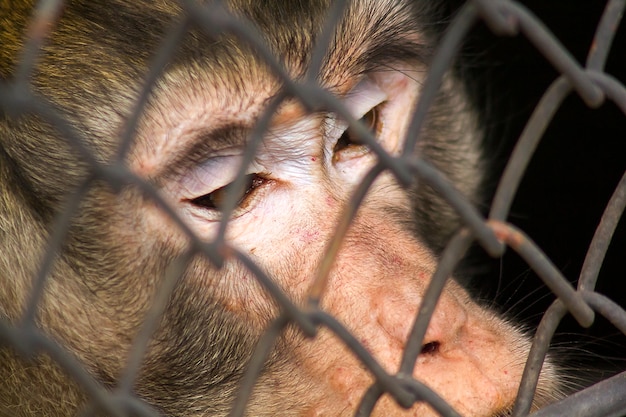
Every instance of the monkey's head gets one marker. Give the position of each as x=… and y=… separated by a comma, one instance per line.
x=150, y=277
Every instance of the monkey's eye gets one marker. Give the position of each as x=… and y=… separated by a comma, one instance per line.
x=216, y=199
x=349, y=145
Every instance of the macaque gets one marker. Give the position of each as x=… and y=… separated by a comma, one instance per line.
x=189, y=143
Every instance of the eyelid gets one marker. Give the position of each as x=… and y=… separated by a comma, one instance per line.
x=211, y=174
x=199, y=146
x=363, y=97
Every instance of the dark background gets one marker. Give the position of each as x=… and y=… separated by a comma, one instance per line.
x=575, y=170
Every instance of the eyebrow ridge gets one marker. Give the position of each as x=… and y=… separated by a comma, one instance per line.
x=202, y=144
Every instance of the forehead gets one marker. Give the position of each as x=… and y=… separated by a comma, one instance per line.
x=272, y=33
x=237, y=75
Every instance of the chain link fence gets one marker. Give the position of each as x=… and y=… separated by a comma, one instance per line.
x=493, y=232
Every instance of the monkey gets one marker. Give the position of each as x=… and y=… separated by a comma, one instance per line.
x=201, y=114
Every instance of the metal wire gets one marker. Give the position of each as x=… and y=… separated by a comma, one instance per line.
x=503, y=17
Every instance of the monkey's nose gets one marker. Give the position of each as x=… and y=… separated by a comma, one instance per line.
x=445, y=326
x=430, y=348
x=394, y=310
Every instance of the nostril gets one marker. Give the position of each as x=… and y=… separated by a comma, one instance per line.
x=430, y=348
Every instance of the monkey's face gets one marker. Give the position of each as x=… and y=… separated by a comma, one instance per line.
x=125, y=251
x=296, y=191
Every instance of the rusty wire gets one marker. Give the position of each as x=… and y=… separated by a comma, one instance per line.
x=504, y=18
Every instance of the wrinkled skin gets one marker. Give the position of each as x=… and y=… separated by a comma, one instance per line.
x=189, y=145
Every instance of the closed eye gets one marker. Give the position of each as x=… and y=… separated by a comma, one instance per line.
x=216, y=200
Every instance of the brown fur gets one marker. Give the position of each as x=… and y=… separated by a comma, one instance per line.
x=113, y=260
